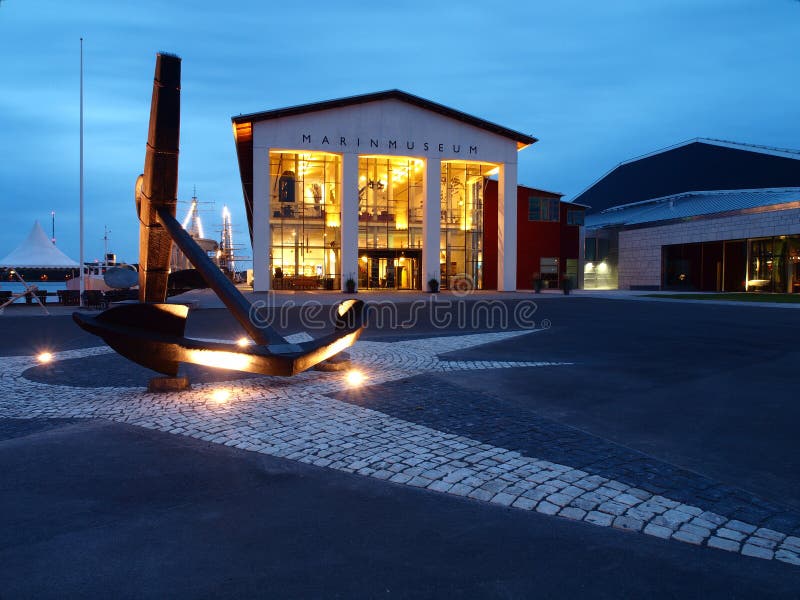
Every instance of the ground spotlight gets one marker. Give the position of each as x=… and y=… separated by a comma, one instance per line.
x=220, y=396
x=355, y=378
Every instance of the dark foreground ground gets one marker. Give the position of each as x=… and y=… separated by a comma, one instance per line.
x=696, y=399
x=99, y=510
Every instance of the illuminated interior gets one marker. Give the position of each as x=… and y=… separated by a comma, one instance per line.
x=390, y=202
x=305, y=220
x=305, y=210
x=601, y=255
x=461, y=246
x=774, y=264
x=391, y=197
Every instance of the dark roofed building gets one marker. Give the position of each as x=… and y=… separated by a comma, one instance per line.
x=696, y=165
x=704, y=215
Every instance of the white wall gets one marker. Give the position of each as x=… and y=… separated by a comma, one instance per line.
x=640, y=249
x=395, y=128
x=383, y=122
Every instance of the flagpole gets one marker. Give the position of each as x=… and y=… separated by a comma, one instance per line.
x=82, y=282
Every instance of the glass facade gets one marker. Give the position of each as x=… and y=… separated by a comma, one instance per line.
x=461, y=246
x=601, y=254
x=764, y=265
x=755, y=265
x=793, y=264
x=390, y=202
x=774, y=264
x=391, y=198
x=305, y=219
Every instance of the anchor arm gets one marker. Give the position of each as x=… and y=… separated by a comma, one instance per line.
x=233, y=299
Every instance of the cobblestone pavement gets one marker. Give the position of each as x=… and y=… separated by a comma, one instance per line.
x=472, y=414
x=315, y=418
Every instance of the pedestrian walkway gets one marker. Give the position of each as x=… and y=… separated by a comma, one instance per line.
x=317, y=418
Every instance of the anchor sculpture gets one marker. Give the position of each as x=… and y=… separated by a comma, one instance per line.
x=151, y=332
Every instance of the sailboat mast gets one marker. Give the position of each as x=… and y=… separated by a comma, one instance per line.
x=83, y=281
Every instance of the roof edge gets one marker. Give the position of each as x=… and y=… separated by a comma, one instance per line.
x=623, y=225
x=660, y=199
x=780, y=152
x=538, y=189
x=393, y=94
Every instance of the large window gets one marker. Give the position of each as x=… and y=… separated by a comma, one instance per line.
x=771, y=265
x=390, y=202
x=305, y=216
x=461, y=246
x=543, y=209
x=793, y=264
x=600, y=268
x=390, y=210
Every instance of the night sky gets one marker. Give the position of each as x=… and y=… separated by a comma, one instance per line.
x=596, y=82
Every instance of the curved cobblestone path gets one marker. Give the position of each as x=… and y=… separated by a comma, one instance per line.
x=318, y=418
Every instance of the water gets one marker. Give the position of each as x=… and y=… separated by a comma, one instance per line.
x=15, y=287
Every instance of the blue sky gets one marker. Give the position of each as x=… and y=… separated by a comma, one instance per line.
x=596, y=82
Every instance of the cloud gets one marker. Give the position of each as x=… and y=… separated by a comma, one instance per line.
x=597, y=83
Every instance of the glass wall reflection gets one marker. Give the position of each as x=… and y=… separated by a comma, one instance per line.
x=305, y=217
x=773, y=264
x=461, y=245
x=391, y=198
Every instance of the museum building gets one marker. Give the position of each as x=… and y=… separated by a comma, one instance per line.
x=387, y=189
x=707, y=215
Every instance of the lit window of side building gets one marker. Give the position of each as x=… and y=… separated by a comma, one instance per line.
x=704, y=215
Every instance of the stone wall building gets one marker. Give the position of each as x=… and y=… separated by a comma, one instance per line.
x=736, y=226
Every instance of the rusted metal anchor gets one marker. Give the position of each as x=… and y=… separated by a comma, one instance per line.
x=151, y=332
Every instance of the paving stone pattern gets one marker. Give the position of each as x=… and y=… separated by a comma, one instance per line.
x=437, y=403
x=299, y=419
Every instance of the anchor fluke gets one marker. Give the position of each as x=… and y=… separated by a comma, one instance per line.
x=143, y=333
x=152, y=336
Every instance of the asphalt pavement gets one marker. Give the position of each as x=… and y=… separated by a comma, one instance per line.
x=703, y=393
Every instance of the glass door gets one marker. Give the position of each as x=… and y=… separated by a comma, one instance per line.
x=793, y=265
x=389, y=269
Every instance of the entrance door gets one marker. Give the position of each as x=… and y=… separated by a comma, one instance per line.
x=389, y=269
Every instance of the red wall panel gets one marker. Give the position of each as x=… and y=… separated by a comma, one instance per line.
x=570, y=237
x=535, y=239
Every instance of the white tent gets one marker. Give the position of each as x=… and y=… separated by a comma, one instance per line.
x=37, y=251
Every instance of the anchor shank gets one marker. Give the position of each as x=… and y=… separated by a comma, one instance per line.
x=217, y=281
x=157, y=188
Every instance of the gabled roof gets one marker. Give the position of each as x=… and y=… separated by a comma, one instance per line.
x=452, y=113
x=534, y=190
x=691, y=204
x=696, y=164
x=37, y=251
x=560, y=196
x=784, y=152
x=492, y=181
